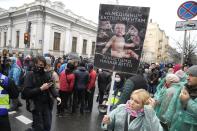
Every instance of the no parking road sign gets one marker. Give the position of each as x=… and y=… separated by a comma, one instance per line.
x=187, y=10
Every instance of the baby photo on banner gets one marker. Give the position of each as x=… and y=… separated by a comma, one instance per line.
x=120, y=37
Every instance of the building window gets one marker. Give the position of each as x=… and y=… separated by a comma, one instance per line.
x=5, y=38
x=74, y=44
x=93, y=48
x=17, y=38
x=56, y=45
x=84, y=47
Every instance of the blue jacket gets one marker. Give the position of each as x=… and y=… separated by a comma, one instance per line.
x=81, y=78
x=14, y=72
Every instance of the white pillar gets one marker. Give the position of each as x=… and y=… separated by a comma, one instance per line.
x=67, y=45
x=33, y=43
x=9, y=36
x=47, y=35
x=80, y=45
x=89, y=47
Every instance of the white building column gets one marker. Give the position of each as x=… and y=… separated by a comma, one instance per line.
x=67, y=45
x=80, y=45
x=33, y=43
x=89, y=47
x=9, y=35
x=47, y=35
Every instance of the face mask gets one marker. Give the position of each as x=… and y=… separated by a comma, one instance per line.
x=146, y=71
x=39, y=70
x=117, y=79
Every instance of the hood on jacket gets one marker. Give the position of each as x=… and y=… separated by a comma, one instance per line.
x=81, y=68
x=13, y=60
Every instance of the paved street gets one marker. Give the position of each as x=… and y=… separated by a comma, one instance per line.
x=75, y=122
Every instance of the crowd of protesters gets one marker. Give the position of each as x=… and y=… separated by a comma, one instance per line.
x=164, y=99
x=41, y=80
x=160, y=97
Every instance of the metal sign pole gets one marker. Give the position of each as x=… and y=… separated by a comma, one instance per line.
x=104, y=126
x=184, y=46
x=111, y=91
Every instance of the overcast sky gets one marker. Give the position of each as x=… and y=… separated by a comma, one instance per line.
x=164, y=12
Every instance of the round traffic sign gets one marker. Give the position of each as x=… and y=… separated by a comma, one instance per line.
x=187, y=10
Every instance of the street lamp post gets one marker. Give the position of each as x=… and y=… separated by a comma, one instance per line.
x=11, y=26
x=27, y=15
x=184, y=46
x=117, y=2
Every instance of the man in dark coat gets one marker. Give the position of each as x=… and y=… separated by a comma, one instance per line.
x=81, y=82
x=104, y=79
x=38, y=91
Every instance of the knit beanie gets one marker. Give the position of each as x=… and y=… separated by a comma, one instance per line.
x=193, y=71
x=172, y=78
x=180, y=73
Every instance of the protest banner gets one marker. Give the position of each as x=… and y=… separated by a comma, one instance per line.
x=120, y=37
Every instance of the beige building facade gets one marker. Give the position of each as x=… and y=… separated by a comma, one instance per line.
x=156, y=45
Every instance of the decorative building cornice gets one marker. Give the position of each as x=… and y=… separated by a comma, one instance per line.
x=58, y=27
x=50, y=8
x=4, y=28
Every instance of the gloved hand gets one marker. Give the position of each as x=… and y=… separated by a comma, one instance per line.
x=58, y=100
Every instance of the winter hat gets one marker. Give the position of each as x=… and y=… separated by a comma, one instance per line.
x=177, y=67
x=172, y=78
x=48, y=60
x=193, y=71
x=180, y=73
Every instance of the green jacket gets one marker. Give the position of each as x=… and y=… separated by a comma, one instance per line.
x=167, y=99
x=185, y=119
x=146, y=121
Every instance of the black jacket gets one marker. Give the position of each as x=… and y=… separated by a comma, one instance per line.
x=104, y=78
x=32, y=84
x=81, y=78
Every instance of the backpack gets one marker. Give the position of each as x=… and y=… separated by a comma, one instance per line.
x=22, y=77
x=21, y=81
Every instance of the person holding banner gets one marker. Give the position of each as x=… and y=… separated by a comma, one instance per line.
x=136, y=115
x=119, y=48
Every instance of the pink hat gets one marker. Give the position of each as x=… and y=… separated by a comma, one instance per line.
x=177, y=67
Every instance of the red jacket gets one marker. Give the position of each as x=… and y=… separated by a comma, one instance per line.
x=67, y=82
x=92, y=79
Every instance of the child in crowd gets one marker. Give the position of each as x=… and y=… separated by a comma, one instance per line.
x=136, y=115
